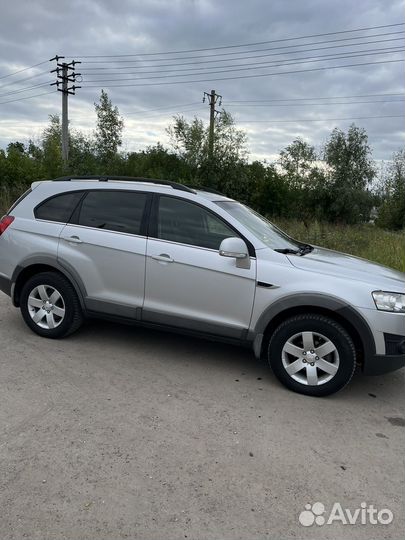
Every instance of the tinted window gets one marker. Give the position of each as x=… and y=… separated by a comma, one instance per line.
x=59, y=208
x=188, y=223
x=113, y=210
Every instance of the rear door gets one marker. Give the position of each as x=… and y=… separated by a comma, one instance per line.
x=30, y=237
x=188, y=284
x=105, y=244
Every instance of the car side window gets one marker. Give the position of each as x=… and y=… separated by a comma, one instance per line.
x=58, y=208
x=119, y=211
x=188, y=223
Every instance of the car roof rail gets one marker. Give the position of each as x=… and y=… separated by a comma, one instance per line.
x=106, y=178
x=210, y=190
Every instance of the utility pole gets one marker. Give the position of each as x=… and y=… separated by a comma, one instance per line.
x=65, y=128
x=213, y=98
x=65, y=73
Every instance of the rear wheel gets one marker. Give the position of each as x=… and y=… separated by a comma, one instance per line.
x=312, y=354
x=50, y=306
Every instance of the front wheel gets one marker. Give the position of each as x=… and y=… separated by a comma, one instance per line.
x=312, y=354
x=50, y=306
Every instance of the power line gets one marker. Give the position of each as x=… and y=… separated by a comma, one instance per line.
x=24, y=69
x=272, y=121
x=261, y=64
x=246, y=52
x=242, y=45
x=25, y=79
x=194, y=103
x=237, y=77
x=323, y=104
x=131, y=66
x=167, y=112
x=231, y=78
x=13, y=92
x=164, y=110
x=248, y=67
x=27, y=97
x=181, y=105
x=314, y=97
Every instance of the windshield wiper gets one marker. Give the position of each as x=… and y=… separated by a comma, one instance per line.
x=305, y=248
x=287, y=250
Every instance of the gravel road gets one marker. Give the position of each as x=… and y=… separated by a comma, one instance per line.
x=120, y=432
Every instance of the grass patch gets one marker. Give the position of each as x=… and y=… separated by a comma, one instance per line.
x=367, y=241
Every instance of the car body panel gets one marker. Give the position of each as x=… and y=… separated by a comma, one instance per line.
x=18, y=240
x=111, y=264
x=383, y=322
x=334, y=263
x=200, y=286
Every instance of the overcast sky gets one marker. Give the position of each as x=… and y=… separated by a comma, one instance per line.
x=33, y=32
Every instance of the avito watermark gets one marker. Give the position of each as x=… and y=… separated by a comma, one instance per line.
x=366, y=514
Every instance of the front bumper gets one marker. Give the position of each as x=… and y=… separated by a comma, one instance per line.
x=383, y=363
x=394, y=357
x=5, y=285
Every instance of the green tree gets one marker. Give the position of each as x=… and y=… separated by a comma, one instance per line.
x=297, y=161
x=190, y=141
x=83, y=157
x=269, y=191
x=17, y=171
x=51, y=148
x=392, y=211
x=230, y=143
x=350, y=172
x=108, y=135
x=157, y=162
x=305, y=181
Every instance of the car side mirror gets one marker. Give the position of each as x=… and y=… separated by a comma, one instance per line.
x=235, y=248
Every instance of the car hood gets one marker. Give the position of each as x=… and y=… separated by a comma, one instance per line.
x=327, y=261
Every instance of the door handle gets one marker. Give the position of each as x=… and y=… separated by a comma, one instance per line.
x=163, y=257
x=72, y=239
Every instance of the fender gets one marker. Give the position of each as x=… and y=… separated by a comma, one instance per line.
x=66, y=269
x=310, y=300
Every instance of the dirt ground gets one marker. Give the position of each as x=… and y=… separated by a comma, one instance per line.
x=120, y=432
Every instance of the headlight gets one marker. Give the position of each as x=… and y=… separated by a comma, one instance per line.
x=388, y=301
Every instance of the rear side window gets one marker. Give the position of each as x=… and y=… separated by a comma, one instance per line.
x=58, y=208
x=21, y=198
x=119, y=211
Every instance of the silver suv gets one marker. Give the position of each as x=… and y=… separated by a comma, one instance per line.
x=164, y=255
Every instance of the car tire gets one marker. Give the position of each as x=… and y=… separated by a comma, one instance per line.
x=50, y=305
x=312, y=354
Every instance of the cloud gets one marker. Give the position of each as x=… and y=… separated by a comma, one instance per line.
x=34, y=32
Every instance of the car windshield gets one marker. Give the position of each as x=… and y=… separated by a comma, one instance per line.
x=258, y=225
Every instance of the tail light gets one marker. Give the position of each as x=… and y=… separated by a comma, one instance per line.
x=5, y=222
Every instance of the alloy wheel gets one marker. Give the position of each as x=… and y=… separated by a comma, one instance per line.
x=310, y=358
x=46, y=306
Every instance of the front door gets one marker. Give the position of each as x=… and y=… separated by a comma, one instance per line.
x=188, y=284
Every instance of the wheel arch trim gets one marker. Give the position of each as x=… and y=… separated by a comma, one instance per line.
x=318, y=301
x=37, y=260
